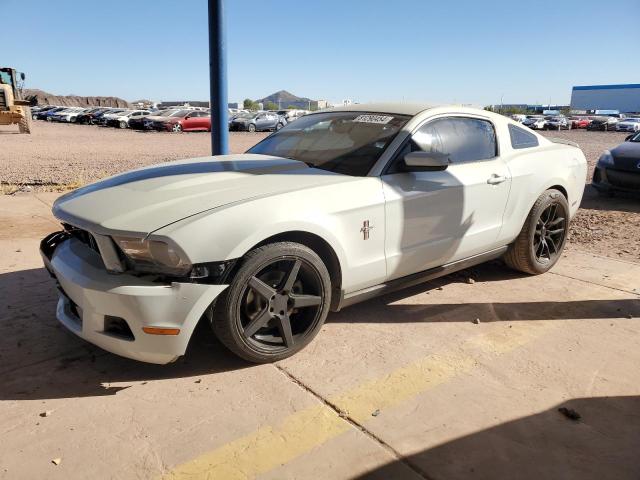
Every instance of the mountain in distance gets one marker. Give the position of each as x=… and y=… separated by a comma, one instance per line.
x=46, y=98
x=285, y=99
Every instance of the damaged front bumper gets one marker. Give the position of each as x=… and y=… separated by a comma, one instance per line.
x=111, y=310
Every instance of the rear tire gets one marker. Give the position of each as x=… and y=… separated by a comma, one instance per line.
x=24, y=125
x=276, y=304
x=251, y=128
x=123, y=124
x=543, y=236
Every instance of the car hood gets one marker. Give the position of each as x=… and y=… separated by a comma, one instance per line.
x=144, y=200
x=627, y=150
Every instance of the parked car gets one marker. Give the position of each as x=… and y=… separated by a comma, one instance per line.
x=185, y=121
x=535, y=122
x=122, y=119
x=628, y=125
x=87, y=116
x=43, y=115
x=35, y=111
x=517, y=117
x=257, y=122
x=146, y=123
x=580, y=122
x=603, y=124
x=99, y=118
x=105, y=118
x=69, y=115
x=558, y=122
x=335, y=208
x=619, y=168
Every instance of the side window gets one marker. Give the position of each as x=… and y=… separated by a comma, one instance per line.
x=463, y=139
x=520, y=138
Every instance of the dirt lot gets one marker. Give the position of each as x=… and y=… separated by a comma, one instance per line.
x=57, y=156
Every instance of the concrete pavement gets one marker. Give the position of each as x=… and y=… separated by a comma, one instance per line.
x=403, y=386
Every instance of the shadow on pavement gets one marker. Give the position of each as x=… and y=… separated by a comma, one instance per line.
x=603, y=444
x=40, y=359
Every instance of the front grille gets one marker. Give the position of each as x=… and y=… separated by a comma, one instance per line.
x=624, y=179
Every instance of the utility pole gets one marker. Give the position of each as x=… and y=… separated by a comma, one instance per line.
x=218, y=79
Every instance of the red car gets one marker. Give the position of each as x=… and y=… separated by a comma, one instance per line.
x=187, y=121
x=579, y=122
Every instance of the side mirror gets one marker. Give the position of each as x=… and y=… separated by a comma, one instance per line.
x=22, y=76
x=417, y=161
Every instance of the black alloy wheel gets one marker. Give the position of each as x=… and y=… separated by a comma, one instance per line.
x=281, y=304
x=276, y=303
x=549, y=234
x=540, y=243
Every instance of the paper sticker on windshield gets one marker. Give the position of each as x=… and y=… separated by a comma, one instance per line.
x=379, y=119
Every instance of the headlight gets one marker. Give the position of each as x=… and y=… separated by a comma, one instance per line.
x=154, y=256
x=606, y=159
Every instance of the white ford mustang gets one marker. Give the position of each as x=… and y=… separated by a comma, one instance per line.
x=337, y=207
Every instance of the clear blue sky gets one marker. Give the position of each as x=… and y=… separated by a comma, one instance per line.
x=416, y=50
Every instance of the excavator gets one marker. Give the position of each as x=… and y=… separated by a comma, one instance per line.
x=13, y=108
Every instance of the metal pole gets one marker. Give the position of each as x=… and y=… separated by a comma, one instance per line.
x=218, y=79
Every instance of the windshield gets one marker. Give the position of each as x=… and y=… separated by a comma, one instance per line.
x=179, y=113
x=635, y=138
x=343, y=142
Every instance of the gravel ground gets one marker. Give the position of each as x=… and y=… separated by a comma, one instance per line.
x=603, y=225
x=59, y=156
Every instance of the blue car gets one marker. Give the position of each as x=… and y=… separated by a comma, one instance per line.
x=48, y=113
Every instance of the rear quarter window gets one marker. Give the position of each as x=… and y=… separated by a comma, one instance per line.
x=520, y=138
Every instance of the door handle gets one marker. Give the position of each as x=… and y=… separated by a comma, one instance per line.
x=496, y=179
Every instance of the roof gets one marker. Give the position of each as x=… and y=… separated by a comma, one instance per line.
x=607, y=87
x=397, y=108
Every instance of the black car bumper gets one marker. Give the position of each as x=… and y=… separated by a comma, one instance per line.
x=238, y=127
x=601, y=127
x=609, y=179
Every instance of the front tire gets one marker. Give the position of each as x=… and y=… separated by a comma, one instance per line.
x=24, y=125
x=176, y=128
x=251, y=128
x=123, y=124
x=276, y=304
x=541, y=241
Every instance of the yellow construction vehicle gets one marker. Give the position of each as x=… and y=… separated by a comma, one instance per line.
x=13, y=108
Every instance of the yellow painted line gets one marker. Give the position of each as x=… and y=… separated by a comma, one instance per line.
x=266, y=448
x=272, y=446
x=429, y=372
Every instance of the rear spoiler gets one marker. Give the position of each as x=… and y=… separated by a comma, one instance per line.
x=563, y=142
